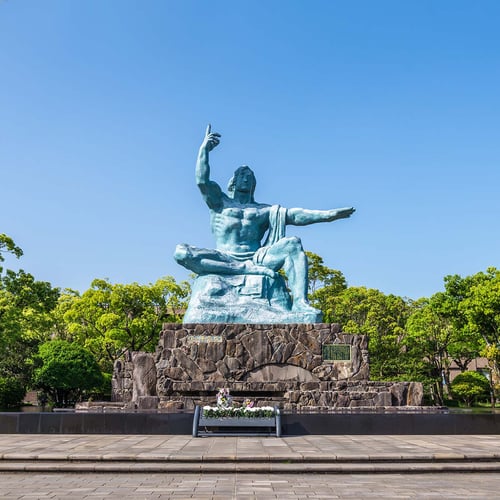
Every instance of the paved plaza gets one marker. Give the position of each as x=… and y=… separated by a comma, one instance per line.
x=249, y=486
x=200, y=452
x=168, y=466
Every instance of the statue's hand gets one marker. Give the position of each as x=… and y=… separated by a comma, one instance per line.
x=211, y=139
x=343, y=213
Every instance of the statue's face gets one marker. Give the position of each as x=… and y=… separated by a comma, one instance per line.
x=244, y=180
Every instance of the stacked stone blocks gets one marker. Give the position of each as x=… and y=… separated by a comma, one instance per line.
x=271, y=364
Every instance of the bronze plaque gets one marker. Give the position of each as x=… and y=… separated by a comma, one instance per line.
x=336, y=352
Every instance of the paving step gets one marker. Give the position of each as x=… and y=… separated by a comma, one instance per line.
x=317, y=458
x=247, y=467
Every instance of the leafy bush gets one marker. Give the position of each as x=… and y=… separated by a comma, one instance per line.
x=469, y=386
x=65, y=371
x=103, y=391
x=12, y=392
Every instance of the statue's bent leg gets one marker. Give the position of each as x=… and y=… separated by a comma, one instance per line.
x=207, y=261
x=201, y=260
x=287, y=253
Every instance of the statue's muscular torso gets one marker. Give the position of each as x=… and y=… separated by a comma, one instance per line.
x=239, y=228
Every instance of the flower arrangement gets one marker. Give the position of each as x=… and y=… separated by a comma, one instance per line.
x=240, y=412
x=224, y=399
x=225, y=408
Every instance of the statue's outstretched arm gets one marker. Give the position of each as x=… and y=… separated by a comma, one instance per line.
x=303, y=216
x=210, y=190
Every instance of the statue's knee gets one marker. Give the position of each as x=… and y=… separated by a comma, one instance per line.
x=293, y=243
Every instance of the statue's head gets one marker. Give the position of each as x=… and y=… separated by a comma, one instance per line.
x=243, y=180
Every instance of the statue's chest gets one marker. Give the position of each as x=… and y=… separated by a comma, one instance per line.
x=243, y=217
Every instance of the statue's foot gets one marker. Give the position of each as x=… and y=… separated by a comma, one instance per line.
x=250, y=268
x=182, y=253
x=304, y=307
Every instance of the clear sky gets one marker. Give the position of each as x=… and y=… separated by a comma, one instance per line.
x=392, y=107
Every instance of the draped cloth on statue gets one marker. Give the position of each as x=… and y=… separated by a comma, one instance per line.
x=277, y=230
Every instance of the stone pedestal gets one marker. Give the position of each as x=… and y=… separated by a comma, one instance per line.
x=290, y=365
x=295, y=366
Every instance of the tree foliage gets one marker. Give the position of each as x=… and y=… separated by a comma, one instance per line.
x=321, y=276
x=12, y=392
x=110, y=319
x=26, y=306
x=469, y=386
x=361, y=310
x=7, y=245
x=324, y=283
x=64, y=371
x=435, y=338
x=481, y=307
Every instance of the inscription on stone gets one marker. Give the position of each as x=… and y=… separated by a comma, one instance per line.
x=200, y=339
x=336, y=352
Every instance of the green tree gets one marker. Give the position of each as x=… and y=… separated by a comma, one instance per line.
x=426, y=348
x=110, y=319
x=64, y=371
x=469, y=386
x=34, y=299
x=382, y=317
x=12, y=392
x=466, y=343
x=324, y=282
x=26, y=307
x=435, y=338
x=321, y=276
x=7, y=245
x=481, y=307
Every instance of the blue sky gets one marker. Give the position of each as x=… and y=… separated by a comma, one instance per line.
x=391, y=107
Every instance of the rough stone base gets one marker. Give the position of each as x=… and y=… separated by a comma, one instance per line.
x=247, y=356
x=301, y=396
x=270, y=364
x=281, y=365
x=147, y=402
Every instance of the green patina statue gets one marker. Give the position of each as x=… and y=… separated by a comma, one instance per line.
x=238, y=281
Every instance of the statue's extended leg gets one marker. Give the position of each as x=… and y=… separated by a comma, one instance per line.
x=288, y=254
x=206, y=261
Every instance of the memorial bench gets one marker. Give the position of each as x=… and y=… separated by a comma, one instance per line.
x=236, y=426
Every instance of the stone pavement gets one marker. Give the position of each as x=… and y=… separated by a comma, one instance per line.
x=290, y=454
x=265, y=486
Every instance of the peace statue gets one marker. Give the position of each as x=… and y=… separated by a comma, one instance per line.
x=238, y=281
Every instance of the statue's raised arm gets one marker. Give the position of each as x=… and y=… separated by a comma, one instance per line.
x=210, y=190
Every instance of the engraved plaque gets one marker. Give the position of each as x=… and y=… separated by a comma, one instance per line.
x=336, y=352
x=203, y=339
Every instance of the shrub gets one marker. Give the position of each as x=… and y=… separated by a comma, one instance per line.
x=12, y=392
x=103, y=391
x=469, y=386
x=65, y=371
